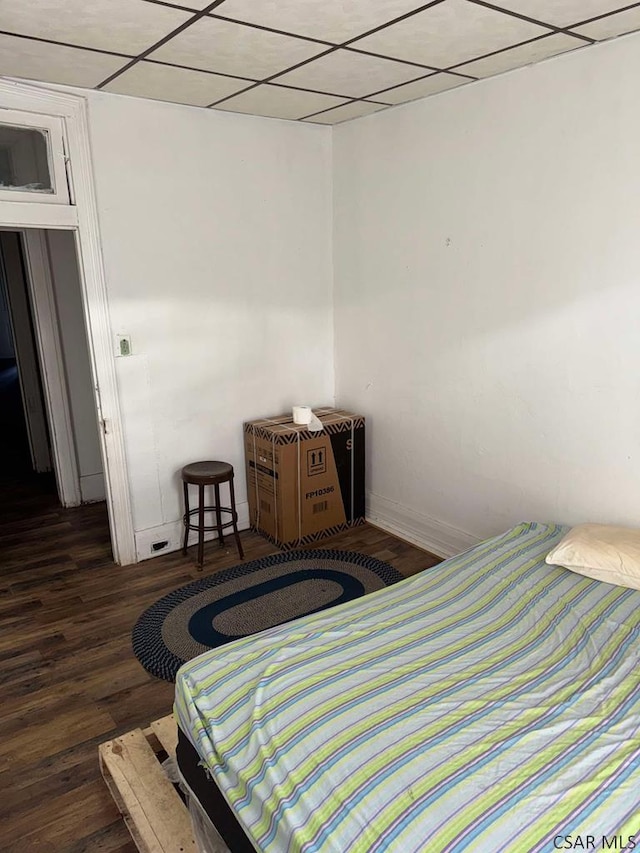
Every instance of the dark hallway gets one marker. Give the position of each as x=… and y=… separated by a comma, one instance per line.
x=15, y=459
x=20, y=486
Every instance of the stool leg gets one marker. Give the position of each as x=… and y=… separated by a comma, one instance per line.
x=218, y=516
x=201, y=526
x=234, y=517
x=187, y=519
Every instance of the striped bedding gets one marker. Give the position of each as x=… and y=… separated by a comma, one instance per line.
x=491, y=703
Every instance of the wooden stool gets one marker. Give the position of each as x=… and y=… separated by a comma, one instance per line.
x=203, y=474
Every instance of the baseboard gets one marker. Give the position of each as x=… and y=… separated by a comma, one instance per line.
x=421, y=530
x=168, y=537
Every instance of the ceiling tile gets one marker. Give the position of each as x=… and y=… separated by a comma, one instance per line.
x=354, y=75
x=215, y=45
x=331, y=20
x=421, y=88
x=562, y=14
x=196, y=5
x=353, y=110
x=280, y=102
x=123, y=26
x=614, y=25
x=517, y=57
x=450, y=33
x=37, y=60
x=164, y=83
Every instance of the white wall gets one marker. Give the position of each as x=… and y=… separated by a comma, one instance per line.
x=487, y=268
x=216, y=232
x=66, y=286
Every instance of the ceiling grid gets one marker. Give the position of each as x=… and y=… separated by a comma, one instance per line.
x=320, y=61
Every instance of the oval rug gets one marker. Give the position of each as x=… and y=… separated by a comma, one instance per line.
x=249, y=598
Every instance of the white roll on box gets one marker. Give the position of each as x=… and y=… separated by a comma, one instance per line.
x=303, y=416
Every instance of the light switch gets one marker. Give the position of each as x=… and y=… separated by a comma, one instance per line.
x=123, y=345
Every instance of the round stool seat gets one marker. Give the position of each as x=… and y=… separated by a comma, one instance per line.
x=207, y=473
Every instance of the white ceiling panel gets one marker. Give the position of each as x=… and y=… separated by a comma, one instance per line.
x=196, y=5
x=354, y=75
x=517, y=57
x=227, y=48
x=165, y=83
x=55, y=63
x=562, y=13
x=356, y=109
x=451, y=32
x=615, y=25
x=333, y=20
x=272, y=48
x=280, y=102
x=421, y=88
x=124, y=26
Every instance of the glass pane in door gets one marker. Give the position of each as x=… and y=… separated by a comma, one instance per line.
x=24, y=161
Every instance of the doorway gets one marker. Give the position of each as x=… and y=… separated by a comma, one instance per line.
x=63, y=198
x=21, y=451
x=48, y=421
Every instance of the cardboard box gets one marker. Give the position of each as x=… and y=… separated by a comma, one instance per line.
x=301, y=485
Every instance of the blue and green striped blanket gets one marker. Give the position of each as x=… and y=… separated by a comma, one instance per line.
x=491, y=703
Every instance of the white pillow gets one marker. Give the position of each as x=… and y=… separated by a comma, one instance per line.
x=602, y=552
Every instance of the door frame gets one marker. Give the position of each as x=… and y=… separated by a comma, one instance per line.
x=81, y=217
x=54, y=384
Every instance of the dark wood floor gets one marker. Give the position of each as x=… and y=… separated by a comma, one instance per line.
x=69, y=678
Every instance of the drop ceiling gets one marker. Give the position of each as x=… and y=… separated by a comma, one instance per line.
x=320, y=61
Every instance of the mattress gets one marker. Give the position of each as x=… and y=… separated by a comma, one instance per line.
x=490, y=703
x=201, y=787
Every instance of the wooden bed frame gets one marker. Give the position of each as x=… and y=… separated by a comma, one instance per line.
x=155, y=815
